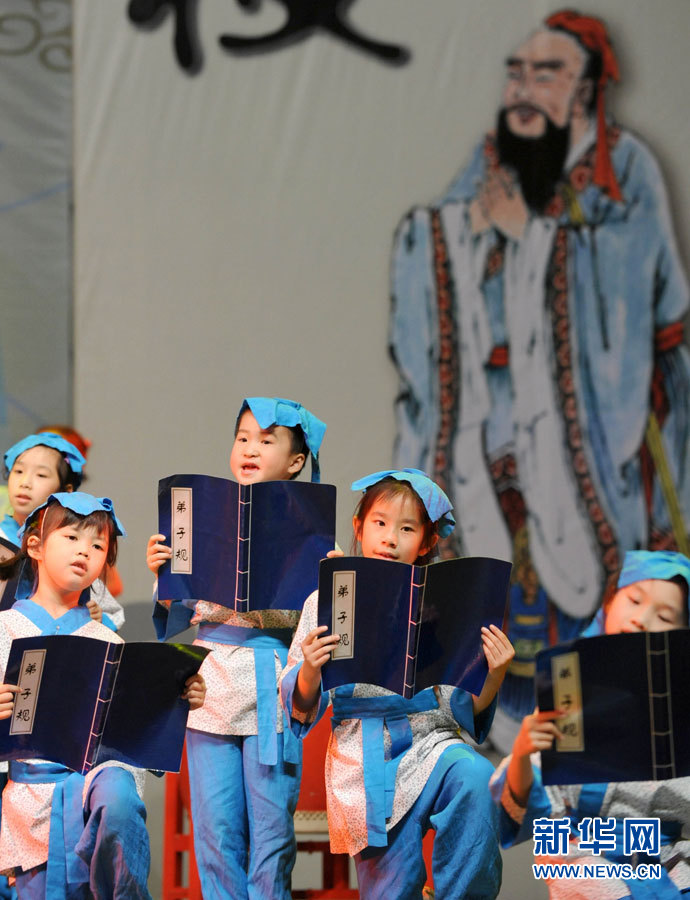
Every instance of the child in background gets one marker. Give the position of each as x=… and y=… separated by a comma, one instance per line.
x=652, y=595
x=35, y=467
x=397, y=767
x=244, y=761
x=64, y=834
x=112, y=578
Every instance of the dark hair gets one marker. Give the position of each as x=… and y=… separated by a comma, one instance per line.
x=52, y=518
x=683, y=585
x=389, y=489
x=67, y=477
x=298, y=444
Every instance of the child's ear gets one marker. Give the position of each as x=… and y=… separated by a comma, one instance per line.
x=297, y=464
x=357, y=528
x=429, y=546
x=33, y=547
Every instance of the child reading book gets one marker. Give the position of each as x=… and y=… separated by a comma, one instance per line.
x=62, y=833
x=397, y=767
x=652, y=595
x=244, y=764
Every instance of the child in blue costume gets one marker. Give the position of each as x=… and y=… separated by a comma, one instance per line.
x=397, y=767
x=64, y=835
x=35, y=467
x=244, y=763
x=652, y=595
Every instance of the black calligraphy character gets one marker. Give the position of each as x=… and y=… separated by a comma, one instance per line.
x=342, y=615
x=345, y=640
x=565, y=673
x=26, y=693
x=180, y=532
x=567, y=701
x=24, y=715
x=149, y=14
x=30, y=669
x=181, y=506
x=342, y=590
x=304, y=18
x=181, y=554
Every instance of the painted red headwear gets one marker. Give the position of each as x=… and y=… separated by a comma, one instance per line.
x=592, y=34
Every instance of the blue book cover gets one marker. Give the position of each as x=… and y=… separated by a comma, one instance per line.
x=406, y=628
x=626, y=699
x=8, y=587
x=247, y=547
x=84, y=701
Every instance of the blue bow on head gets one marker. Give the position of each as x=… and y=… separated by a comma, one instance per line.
x=276, y=411
x=438, y=506
x=74, y=458
x=80, y=503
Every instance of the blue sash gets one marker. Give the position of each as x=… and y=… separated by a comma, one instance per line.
x=379, y=772
x=66, y=823
x=589, y=806
x=265, y=642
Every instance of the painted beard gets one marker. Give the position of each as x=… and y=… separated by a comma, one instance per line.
x=537, y=162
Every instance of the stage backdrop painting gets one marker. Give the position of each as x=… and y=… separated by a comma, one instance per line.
x=537, y=329
x=234, y=213
x=35, y=220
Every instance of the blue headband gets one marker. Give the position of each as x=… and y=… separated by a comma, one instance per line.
x=80, y=503
x=438, y=506
x=275, y=411
x=74, y=458
x=664, y=565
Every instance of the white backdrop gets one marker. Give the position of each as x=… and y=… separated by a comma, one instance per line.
x=233, y=228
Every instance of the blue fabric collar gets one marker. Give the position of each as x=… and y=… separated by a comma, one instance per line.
x=68, y=623
x=10, y=526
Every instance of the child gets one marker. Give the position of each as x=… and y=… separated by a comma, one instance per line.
x=652, y=595
x=397, y=767
x=64, y=834
x=244, y=765
x=35, y=467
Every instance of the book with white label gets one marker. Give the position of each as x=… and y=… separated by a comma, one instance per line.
x=626, y=705
x=83, y=701
x=406, y=628
x=247, y=547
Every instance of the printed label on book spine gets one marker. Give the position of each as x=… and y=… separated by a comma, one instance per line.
x=181, y=508
x=344, y=614
x=27, y=698
x=567, y=696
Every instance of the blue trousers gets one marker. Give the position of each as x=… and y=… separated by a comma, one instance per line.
x=6, y=892
x=114, y=844
x=466, y=863
x=244, y=837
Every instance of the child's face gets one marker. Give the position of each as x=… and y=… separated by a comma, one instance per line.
x=263, y=455
x=650, y=605
x=392, y=529
x=72, y=558
x=33, y=478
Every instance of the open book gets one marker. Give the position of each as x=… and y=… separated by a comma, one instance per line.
x=247, y=547
x=84, y=701
x=627, y=699
x=407, y=628
x=8, y=588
